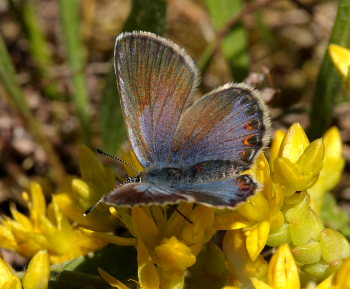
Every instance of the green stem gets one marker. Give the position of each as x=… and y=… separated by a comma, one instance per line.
x=329, y=83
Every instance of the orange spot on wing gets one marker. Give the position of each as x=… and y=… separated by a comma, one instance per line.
x=246, y=140
x=243, y=185
x=248, y=126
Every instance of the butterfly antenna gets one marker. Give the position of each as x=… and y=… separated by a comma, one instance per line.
x=114, y=157
x=181, y=214
x=93, y=207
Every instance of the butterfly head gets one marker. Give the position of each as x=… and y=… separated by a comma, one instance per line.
x=137, y=179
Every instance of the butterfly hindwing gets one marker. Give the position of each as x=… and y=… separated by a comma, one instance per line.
x=155, y=79
x=226, y=193
x=230, y=123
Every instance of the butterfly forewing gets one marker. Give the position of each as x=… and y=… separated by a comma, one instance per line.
x=155, y=79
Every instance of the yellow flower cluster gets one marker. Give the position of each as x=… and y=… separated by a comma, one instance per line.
x=45, y=228
x=284, y=211
x=283, y=274
x=287, y=209
x=167, y=244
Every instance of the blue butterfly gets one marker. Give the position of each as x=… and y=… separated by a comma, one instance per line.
x=192, y=151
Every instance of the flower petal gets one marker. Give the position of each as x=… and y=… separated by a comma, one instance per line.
x=283, y=272
x=38, y=272
x=260, y=284
x=121, y=241
x=256, y=238
x=144, y=226
x=147, y=272
x=294, y=143
x=111, y=280
x=7, y=276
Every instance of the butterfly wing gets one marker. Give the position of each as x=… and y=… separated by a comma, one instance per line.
x=230, y=123
x=226, y=193
x=155, y=79
x=143, y=193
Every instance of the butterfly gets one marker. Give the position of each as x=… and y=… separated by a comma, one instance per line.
x=191, y=150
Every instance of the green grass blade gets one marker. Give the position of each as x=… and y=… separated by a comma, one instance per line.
x=146, y=15
x=329, y=82
x=70, y=18
x=234, y=46
x=8, y=79
x=28, y=18
x=113, y=131
x=19, y=102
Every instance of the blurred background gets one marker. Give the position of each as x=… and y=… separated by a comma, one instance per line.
x=58, y=89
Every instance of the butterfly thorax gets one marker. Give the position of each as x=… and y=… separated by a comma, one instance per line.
x=207, y=171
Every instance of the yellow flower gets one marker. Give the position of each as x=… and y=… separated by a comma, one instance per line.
x=259, y=215
x=282, y=272
x=36, y=277
x=78, y=194
x=333, y=165
x=240, y=265
x=281, y=211
x=341, y=278
x=298, y=163
x=45, y=228
x=341, y=59
x=174, y=256
x=167, y=245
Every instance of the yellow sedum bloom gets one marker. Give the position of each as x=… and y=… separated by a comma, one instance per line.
x=333, y=165
x=174, y=257
x=282, y=271
x=36, y=276
x=167, y=245
x=298, y=163
x=281, y=212
x=78, y=194
x=46, y=228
